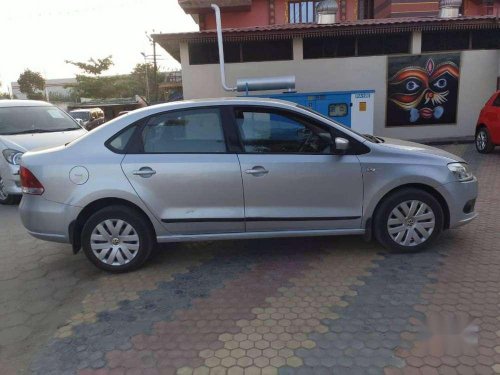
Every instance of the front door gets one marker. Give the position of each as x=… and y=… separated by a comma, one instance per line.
x=291, y=179
x=185, y=175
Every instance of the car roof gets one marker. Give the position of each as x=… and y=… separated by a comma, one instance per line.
x=193, y=103
x=238, y=101
x=7, y=103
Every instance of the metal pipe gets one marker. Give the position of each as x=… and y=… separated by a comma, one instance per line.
x=266, y=83
x=216, y=8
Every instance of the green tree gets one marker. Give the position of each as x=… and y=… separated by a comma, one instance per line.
x=93, y=66
x=31, y=84
x=138, y=82
x=90, y=84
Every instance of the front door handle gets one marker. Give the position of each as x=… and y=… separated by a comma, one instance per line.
x=144, y=172
x=257, y=171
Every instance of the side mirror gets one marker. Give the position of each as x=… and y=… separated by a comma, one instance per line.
x=341, y=146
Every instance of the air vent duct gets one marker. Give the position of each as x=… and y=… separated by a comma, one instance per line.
x=327, y=11
x=449, y=8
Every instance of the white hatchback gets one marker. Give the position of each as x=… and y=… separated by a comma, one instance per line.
x=27, y=125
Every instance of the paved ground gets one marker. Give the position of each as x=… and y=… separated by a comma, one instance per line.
x=291, y=306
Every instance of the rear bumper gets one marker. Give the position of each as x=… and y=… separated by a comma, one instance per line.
x=47, y=220
x=458, y=195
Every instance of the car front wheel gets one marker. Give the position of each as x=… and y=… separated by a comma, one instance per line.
x=484, y=145
x=6, y=198
x=408, y=220
x=117, y=239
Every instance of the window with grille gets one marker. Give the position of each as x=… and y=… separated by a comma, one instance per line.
x=302, y=11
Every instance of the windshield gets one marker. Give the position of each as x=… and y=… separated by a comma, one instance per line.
x=25, y=120
x=368, y=137
x=81, y=115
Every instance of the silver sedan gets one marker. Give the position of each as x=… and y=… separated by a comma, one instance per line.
x=232, y=169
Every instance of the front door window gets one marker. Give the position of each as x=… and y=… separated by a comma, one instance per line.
x=272, y=132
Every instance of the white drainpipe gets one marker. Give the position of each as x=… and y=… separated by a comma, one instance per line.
x=221, y=49
x=248, y=84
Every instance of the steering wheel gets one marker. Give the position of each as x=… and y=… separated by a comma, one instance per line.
x=306, y=141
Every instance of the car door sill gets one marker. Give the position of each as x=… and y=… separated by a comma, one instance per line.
x=263, y=234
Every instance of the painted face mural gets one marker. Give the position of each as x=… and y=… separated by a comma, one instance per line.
x=423, y=90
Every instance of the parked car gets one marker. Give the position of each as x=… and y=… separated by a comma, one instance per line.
x=237, y=168
x=89, y=118
x=26, y=125
x=488, y=125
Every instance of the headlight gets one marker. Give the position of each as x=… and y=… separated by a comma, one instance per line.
x=461, y=171
x=12, y=156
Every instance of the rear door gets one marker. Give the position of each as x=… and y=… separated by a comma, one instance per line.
x=291, y=179
x=185, y=174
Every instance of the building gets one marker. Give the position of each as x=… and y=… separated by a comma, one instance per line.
x=250, y=13
x=171, y=87
x=452, y=65
x=56, y=89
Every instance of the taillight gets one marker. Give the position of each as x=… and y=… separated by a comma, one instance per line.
x=29, y=183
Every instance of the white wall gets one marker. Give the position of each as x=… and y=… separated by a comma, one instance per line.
x=479, y=72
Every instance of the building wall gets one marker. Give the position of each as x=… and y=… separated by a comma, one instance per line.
x=477, y=7
x=53, y=86
x=258, y=15
x=479, y=72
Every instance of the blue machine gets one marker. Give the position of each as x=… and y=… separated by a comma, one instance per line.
x=342, y=106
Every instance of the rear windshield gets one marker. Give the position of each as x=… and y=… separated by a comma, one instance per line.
x=25, y=120
x=81, y=115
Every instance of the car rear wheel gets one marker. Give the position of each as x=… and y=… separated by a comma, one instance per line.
x=484, y=145
x=6, y=198
x=408, y=220
x=117, y=239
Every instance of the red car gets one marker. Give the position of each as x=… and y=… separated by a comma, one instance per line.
x=488, y=125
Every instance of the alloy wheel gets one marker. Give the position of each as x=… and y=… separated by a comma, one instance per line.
x=3, y=194
x=411, y=223
x=114, y=242
x=481, y=140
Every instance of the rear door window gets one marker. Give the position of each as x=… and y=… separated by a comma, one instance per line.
x=185, y=131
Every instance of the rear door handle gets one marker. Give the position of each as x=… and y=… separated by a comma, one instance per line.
x=257, y=171
x=144, y=172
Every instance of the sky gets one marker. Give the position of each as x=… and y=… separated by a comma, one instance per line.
x=41, y=34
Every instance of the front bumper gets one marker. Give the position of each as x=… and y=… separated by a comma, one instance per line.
x=458, y=195
x=47, y=220
x=10, y=178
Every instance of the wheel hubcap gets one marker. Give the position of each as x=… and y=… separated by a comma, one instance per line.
x=114, y=242
x=411, y=223
x=3, y=194
x=481, y=140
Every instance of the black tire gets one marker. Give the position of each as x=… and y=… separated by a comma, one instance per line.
x=384, y=212
x=9, y=199
x=484, y=144
x=141, y=227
